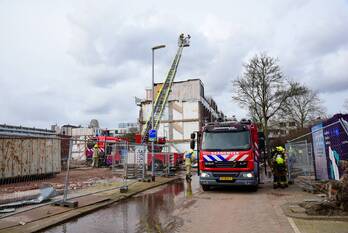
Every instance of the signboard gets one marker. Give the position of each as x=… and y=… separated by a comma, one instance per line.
x=152, y=135
x=336, y=144
x=319, y=151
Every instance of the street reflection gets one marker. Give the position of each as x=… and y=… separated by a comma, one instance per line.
x=151, y=211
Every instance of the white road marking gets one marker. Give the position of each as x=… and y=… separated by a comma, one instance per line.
x=293, y=225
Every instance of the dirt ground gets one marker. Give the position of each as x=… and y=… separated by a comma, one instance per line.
x=79, y=178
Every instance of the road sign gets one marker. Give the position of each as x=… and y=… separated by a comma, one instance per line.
x=152, y=135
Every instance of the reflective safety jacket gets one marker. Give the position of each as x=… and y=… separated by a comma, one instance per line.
x=279, y=160
x=189, y=157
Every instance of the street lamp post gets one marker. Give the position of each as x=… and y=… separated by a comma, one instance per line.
x=152, y=112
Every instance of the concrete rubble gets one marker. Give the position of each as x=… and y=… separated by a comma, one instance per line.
x=336, y=199
x=80, y=179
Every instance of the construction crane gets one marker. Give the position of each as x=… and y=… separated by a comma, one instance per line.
x=163, y=94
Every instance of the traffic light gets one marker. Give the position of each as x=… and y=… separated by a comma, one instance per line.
x=261, y=136
x=193, y=141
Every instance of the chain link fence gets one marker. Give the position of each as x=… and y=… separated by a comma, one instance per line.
x=25, y=160
x=300, y=159
x=35, y=169
x=48, y=169
x=160, y=159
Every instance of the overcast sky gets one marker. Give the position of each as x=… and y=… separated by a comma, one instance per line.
x=71, y=61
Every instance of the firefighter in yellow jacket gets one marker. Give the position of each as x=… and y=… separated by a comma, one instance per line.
x=279, y=168
x=95, y=162
x=189, y=158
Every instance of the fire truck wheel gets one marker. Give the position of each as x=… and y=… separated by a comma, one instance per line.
x=205, y=187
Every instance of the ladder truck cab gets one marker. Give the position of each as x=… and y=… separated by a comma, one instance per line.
x=229, y=154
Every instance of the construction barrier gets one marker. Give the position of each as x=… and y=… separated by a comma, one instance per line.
x=318, y=154
x=161, y=160
x=53, y=169
x=32, y=169
x=299, y=159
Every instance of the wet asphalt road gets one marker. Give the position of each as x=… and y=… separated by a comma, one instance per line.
x=151, y=211
x=184, y=207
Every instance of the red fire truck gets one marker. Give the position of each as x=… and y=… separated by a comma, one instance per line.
x=229, y=154
x=161, y=156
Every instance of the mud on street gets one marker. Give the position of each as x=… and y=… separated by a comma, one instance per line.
x=184, y=207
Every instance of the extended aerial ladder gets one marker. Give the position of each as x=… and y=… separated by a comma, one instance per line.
x=162, y=97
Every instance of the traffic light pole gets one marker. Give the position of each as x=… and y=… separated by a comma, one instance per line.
x=153, y=100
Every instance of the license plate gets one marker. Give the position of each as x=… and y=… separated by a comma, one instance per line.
x=226, y=178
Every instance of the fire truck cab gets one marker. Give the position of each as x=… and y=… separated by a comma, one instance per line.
x=229, y=154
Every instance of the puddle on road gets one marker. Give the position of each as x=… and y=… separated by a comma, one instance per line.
x=151, y=211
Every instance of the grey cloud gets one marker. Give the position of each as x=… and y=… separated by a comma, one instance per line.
x=92, y=63
x=30, y=108
x=117, y=43
x=99, y=108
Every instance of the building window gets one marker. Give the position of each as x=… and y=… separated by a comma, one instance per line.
x=202, y=91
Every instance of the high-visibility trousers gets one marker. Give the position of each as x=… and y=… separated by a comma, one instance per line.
x=95, y=162
x=188, y=169
x=280, y=175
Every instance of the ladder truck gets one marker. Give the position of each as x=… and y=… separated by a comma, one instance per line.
x=159, y=104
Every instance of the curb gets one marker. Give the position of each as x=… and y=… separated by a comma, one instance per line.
x=287, y=211
x=41, y=224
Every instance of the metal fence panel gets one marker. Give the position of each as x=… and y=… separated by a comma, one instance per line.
x=300, y=159
x=26, y=162
x=330, y=145
x=162, y=160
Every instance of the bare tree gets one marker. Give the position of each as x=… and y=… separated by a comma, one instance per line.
x=263, y=89
x=303, y=108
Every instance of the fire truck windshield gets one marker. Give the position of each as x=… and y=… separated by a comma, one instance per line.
x=226, y=141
